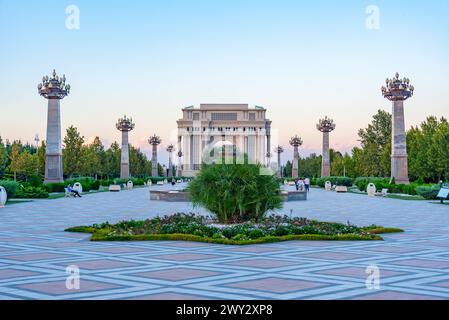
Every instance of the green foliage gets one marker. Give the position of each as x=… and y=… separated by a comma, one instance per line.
x=235, y=192
x=31, y=193
x=195, y=228
x=10, y=187
x=337, y=181
x=55, y=187
x=72, y=154
x=428, y=192
x=384, y=183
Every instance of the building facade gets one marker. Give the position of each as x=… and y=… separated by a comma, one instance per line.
x=236, y=129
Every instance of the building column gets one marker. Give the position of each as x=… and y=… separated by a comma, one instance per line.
x=399, y=163
x=53, y=152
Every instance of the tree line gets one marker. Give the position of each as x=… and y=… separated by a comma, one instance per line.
x=427, y=146
x=22, y=161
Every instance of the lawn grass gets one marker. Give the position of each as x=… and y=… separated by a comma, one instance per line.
x=14, y=201
x=403, y=197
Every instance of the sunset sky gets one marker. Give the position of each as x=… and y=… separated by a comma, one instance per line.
x=148, y=59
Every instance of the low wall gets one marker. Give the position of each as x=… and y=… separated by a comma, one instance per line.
x=170, y=196
x=181, y=196
x=294, y=196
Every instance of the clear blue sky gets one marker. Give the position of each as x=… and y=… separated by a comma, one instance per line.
x=147, y=59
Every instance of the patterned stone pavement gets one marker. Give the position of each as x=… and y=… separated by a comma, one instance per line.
x=34, y=254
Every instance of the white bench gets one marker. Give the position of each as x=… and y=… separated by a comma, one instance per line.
x=115, y=188
x=68, y=194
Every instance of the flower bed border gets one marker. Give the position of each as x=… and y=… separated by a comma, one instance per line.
x=102, y=235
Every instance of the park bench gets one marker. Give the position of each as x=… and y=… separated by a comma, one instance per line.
x=68, y=194
x=444, y=193
x=383, y=193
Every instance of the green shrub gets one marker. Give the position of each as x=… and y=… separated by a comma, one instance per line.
x=428, y=192
x=235, y=192
x=337, y=181
x=55, y=187
x=95, y=185
x=10, y=187
x=35, y=181
x=31, y=193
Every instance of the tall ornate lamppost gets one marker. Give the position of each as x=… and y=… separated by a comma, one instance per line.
x=170, y=150
x=295, y=142
x=279, y=150
x=154, y=141
x=125, y=125
x=397, y=91
x=53, y=89
x=326, y=126
x=179, y=154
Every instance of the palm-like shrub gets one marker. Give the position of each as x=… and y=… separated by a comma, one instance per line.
x=235, y=193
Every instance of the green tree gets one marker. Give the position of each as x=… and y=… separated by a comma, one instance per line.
x=3, y=157
x=27, y=164
x=14, y=158
x=374, y=159
x=112, y=160
x=94, y=159
x=41, y=158
x=72, y=154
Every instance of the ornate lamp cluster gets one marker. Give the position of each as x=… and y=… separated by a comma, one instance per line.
x=296, y=141
x=54, y=87
x=125, y=124
x=397, y=89
x=326, y=125
x=170, y=148
x=279, y=149
x=154, y=140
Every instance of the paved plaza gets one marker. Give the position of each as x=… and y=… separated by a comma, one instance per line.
x=35, y=251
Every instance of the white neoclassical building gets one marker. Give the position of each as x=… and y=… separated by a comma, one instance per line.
x=237, y=129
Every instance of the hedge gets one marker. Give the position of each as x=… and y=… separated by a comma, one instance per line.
x=337, y=181
x=10, y=187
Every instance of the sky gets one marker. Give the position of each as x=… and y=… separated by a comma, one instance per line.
x=148, y=59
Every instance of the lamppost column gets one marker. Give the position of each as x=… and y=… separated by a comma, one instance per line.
x=295, y=142
x=398, y=90
x=124, y=165
x=326, y=164
x=154, y=141
x=399, y=158
x=53, y=89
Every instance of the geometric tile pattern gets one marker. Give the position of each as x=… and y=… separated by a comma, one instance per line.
x=35, y=251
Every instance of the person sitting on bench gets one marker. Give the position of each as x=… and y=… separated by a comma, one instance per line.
x=75, y=192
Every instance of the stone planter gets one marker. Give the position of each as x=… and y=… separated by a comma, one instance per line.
x=3, y=197
x=78, y=187
x=149, y=183
x=129, y=185
x=115, y=188
x=341, y=189
x=328, y=186
x=371, y=190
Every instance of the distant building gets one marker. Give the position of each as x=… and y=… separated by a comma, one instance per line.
x=237, y=129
